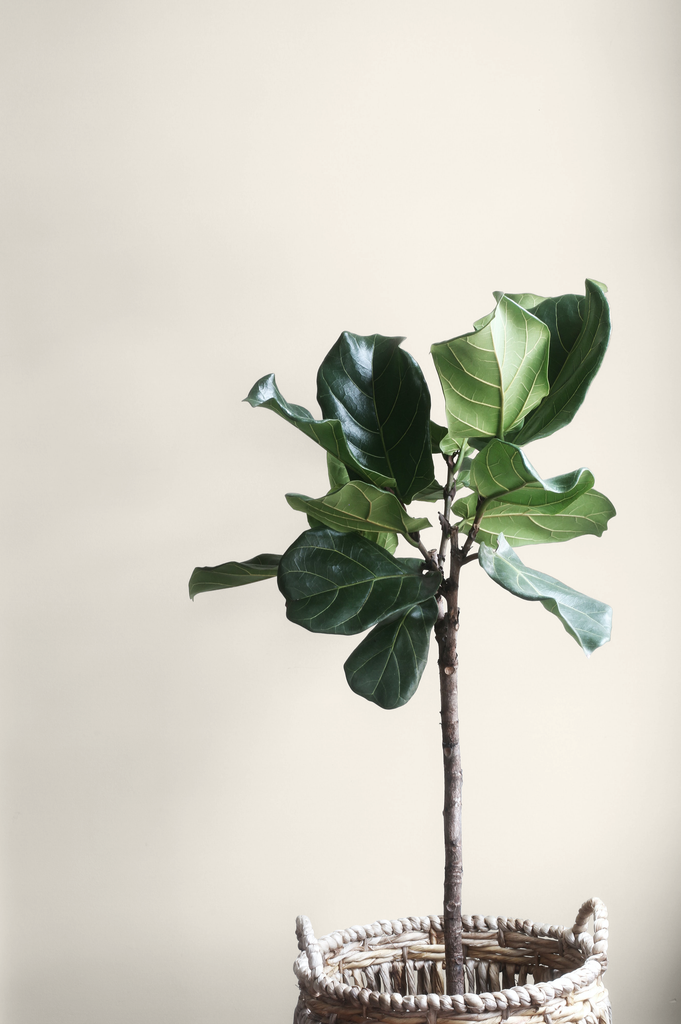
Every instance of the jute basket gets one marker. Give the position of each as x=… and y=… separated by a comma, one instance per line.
x=516, y=971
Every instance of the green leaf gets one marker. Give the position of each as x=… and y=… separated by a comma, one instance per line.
x=564, y=316
x=437, y=433
x=503, y=469
x=464, y=473
x=449, y=445
x=328, y=432
x=433, y=492
x=342, y=583
x=522, y=524
x=338, y=474
x=338, y=477
x=483, y=321
x=525, y=299
x=233, y=574
x=414, y=564
x=379, y=395
x=384, y=539
x=493, y=377
x=587, y=620
x=359, y=506
x=387, y=666
x=528, y=300
x=580, y=330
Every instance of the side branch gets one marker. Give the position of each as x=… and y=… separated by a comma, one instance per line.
x=449, y=493
x=428, y=556
x=473, y=532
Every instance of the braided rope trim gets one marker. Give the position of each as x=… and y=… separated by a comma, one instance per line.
x=378, y=943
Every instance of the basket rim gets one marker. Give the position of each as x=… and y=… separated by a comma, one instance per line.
x=309, y=966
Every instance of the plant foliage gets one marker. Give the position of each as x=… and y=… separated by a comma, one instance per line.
x=519, y=375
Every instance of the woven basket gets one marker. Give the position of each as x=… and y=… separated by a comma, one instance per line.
x=516, y=971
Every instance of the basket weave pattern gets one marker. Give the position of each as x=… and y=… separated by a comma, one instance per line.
x=516, y=971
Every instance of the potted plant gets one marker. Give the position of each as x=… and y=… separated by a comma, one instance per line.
x=519, y=375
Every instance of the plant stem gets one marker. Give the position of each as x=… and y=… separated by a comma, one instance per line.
x=445, y=631
x=448, y=493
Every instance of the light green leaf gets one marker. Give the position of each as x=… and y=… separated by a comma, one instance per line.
x=233, y=574
x=520, y=524
x=493, y=377
x=450, y=445
x=483, y=320
x=384, y=539
x=328, y=432
x=338, y=474
x=528, y=300
x=580, y=330
x=464, y=474
x=503, y=469
x=387, y=666
x=338, y=477
x=359, y=506
x=341, y=583
x=587, y=620
x=525, y=299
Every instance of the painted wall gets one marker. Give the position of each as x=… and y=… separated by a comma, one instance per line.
x=198, y=194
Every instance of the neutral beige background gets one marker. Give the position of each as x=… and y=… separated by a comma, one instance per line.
x=198, y=194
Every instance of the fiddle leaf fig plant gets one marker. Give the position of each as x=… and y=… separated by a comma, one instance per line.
x=519, y=375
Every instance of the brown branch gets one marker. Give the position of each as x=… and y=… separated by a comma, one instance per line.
x=449, y=493
x=428, y=556
x=446, y=634
x=473, y=532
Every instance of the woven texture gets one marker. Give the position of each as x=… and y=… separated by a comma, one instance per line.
x=516, y=971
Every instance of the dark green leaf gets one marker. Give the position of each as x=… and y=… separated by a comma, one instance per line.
x=520, y=524
x=585, y=619
x=433, y=492
x=503, y=469
x=342, y=583
x=493, y=377
x=379, y=395
x=437, y=433
x=414, y=564
x=328, y=432
x=233, y=574
x=387, y=666
x=580, y=330
x=359, y=506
